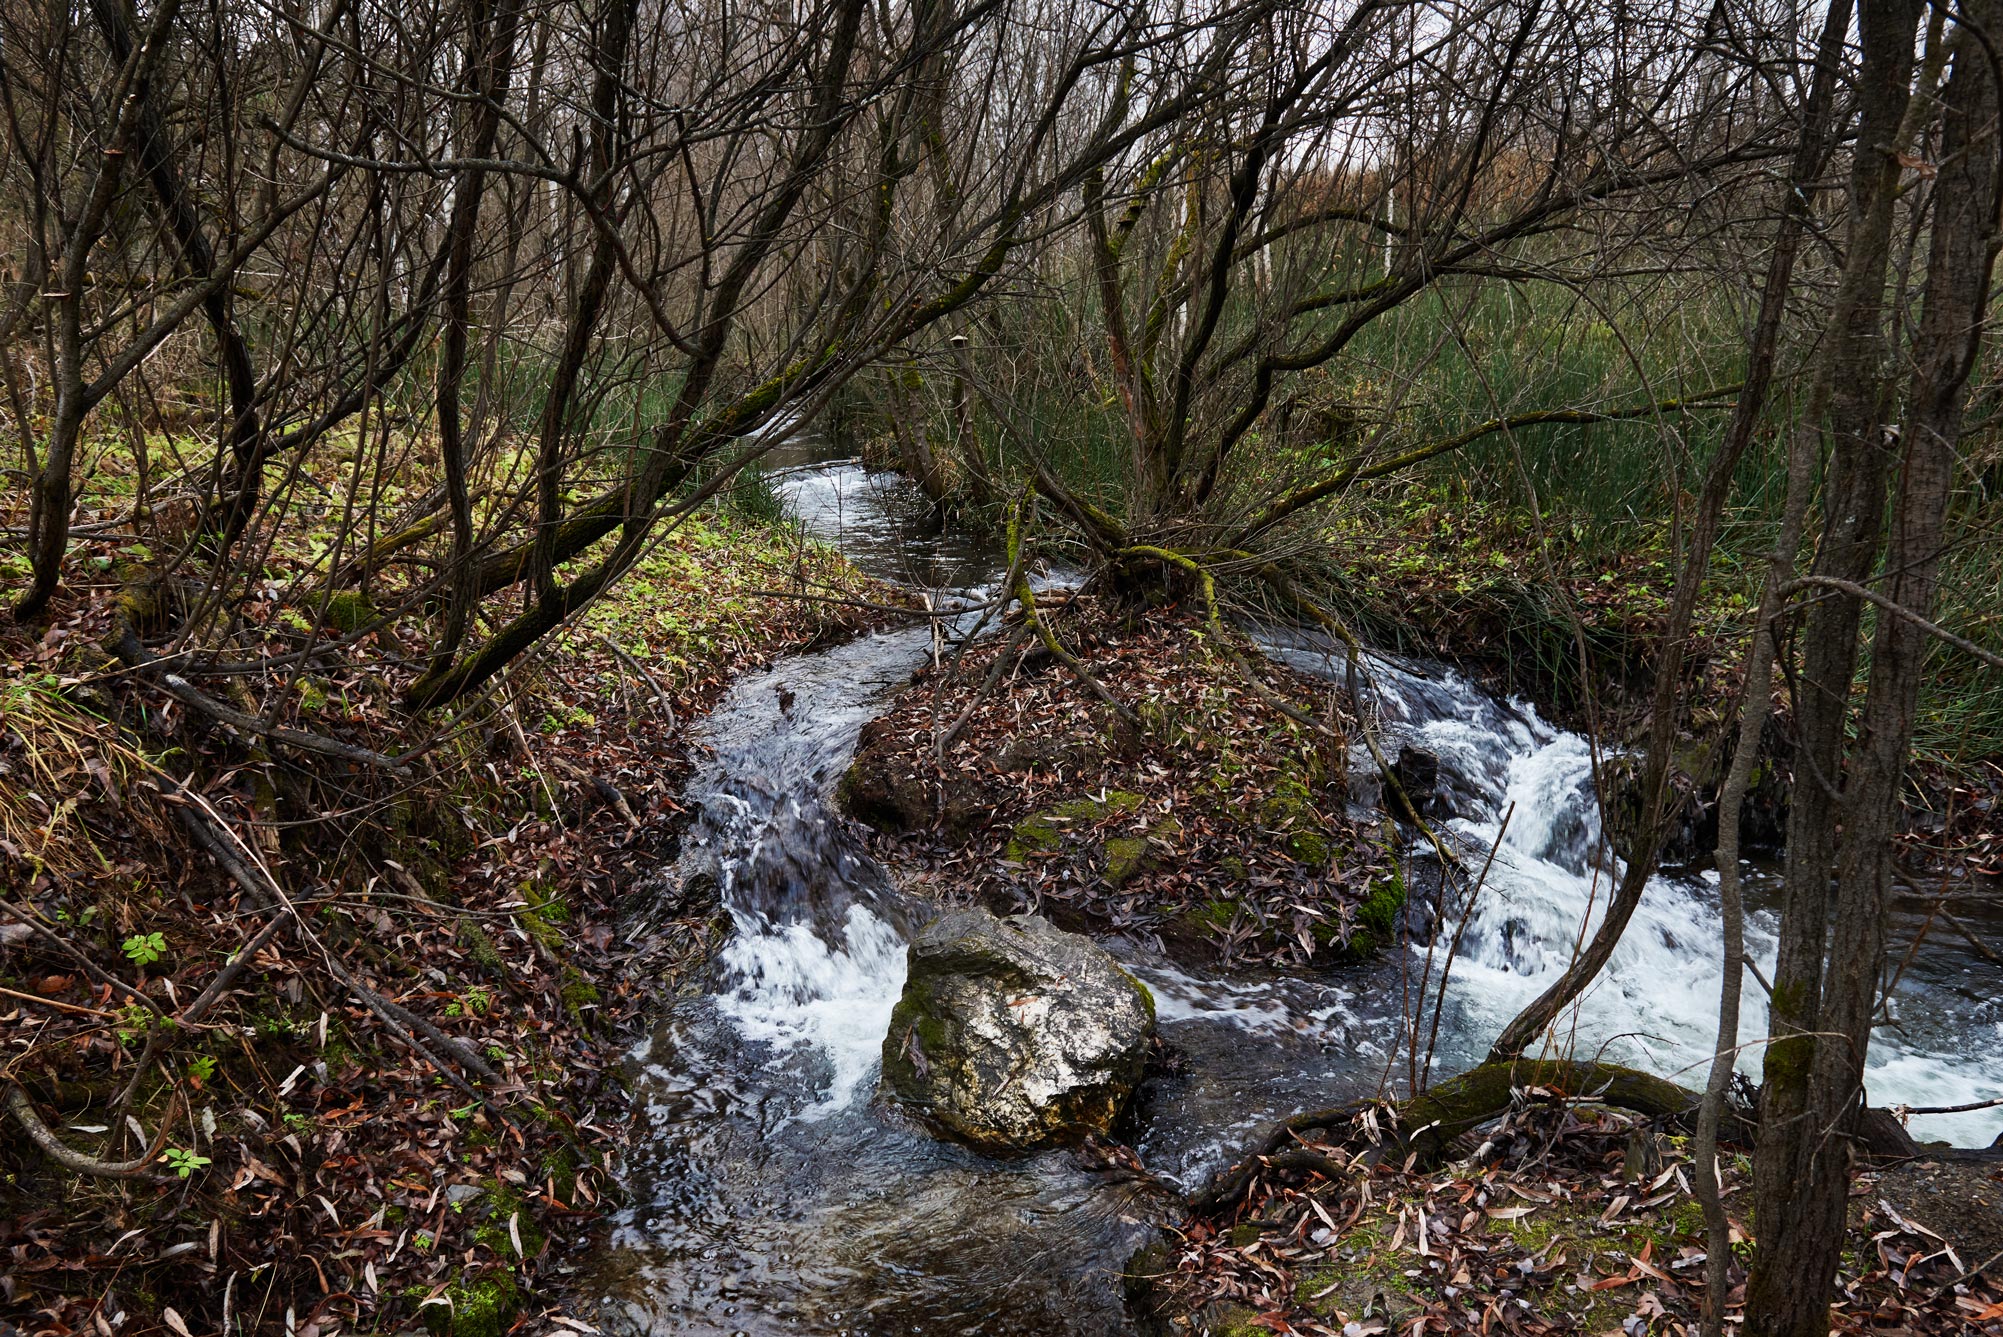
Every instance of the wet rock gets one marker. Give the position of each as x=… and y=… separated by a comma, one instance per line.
x=1690, y=823
x=1013, y=1034
x=1418, y=773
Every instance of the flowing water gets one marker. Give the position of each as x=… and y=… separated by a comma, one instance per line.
x=1655, y=1006
x=772, y=1195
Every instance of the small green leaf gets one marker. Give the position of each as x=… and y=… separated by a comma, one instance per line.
x=144, y=949
x=182, y=1161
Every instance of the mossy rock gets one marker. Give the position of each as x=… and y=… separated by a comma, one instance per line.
x=1127, y=857
x=1013, y=1034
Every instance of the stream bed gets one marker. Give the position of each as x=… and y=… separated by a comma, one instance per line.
x=769, y=1192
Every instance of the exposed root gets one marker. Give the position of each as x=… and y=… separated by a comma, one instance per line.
x=69, y=1158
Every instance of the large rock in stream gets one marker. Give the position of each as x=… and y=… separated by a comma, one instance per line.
x=1013, y=1034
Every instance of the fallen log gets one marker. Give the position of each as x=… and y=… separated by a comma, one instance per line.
x=1425, y=1126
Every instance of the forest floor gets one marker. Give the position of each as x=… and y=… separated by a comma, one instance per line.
x=300, y=1166
x=296, y=1165
x=1564, y=1218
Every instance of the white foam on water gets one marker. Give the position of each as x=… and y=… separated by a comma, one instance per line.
x=791, y=989
x=1255, y=1007
x=1656, y=1003
x=1916, y=1077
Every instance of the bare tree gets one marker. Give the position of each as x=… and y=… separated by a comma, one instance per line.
x=1884, y=514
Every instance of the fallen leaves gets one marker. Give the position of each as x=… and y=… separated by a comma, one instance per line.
x=504, y=898
x=1240, y=844
x=1543, y=1234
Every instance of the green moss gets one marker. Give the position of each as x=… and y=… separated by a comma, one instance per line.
x=1379, y=913
x=1126, y=856
x=1310, y=847
x=546, y=911
x=1043, y=832
x=499, y=1204
x=1212, y=915
x=560, y=1167
x=1366, y=1278
x=1577, y=1232
x=480, y=946
x=1147, y=995
x=1238, y=1321
x=917, y=1026
x=1788, y=1060
x=349, y=611
x=1377, y=918
x=1374, y=924
x=483, y=1306
x=578, y=993
x=140, y=602
x=312, y=694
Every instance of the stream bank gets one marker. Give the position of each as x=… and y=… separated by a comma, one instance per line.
x=502, y=894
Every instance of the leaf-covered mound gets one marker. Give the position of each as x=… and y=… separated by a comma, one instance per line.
x=1213, y=821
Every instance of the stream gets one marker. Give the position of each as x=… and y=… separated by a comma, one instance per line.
x=769, y=1194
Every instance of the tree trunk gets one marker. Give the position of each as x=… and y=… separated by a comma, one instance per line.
x=1839, y=856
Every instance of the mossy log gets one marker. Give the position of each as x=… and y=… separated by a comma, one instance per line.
x=1427, y=1124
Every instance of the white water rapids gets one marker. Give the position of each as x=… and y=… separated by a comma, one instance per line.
x=1656, y=1003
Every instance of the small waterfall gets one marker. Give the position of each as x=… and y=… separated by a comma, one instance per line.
x=815, y=959
x=1656, y=1004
